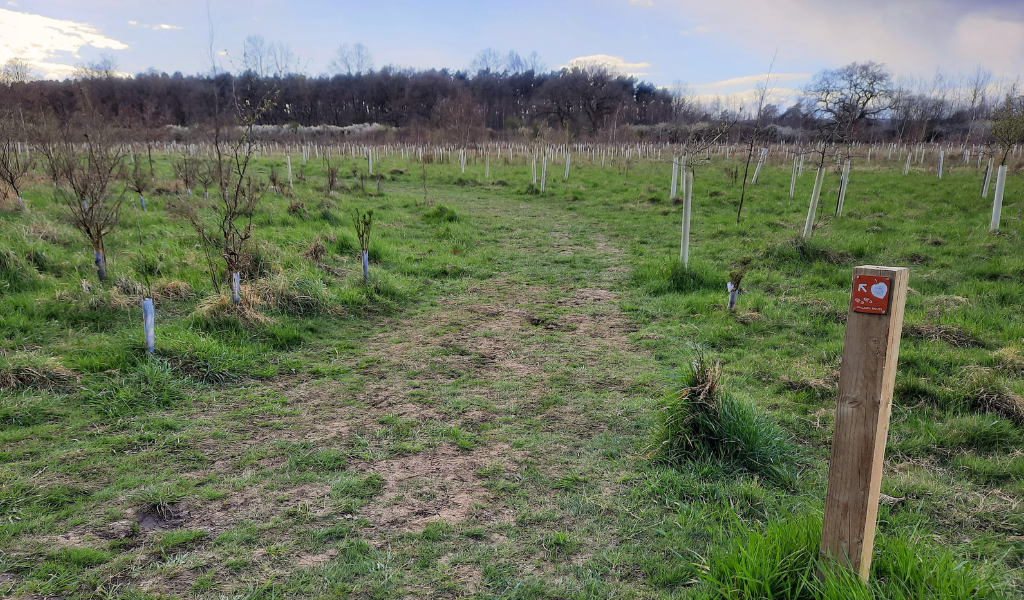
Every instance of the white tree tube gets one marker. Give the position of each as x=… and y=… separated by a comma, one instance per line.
x=148, y=318
x=236, y=288
x=812, y=210
x=684, y=249
x=997, y=200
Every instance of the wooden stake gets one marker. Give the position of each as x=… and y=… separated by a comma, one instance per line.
x=864, y=403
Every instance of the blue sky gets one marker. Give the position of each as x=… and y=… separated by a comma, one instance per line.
x=715, y=46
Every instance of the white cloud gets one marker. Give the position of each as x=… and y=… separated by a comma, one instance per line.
x=643, y=3
x=753, y=80
x=616, y=64
x=41, y=40
x=157, y=27
x=699, y=29
x=910, y=36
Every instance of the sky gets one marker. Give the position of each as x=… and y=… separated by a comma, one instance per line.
x=715, y=47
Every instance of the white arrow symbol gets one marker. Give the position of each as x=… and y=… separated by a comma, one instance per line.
x=862, y=287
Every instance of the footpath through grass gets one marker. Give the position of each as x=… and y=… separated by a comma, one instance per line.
x=486, y=417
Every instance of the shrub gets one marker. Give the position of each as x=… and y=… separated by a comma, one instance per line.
x=700, y=421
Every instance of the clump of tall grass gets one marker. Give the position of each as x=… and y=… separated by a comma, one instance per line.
x=148, y=384
x=300, y=296
x=782, y=560
x=802, y=250
x=985, y=391
x=16, y=275
x=701, y=421
x=441, y=214
x=671, y=276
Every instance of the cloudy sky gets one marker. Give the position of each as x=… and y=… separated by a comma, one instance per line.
x=716, y=46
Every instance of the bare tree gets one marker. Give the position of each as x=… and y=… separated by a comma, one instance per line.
x=845, y=97
x=1008, y=123
x=514, y=63
x=354, y=60
x=488, y=60
x=104, y=68
x=282, y=60
x=255, y=55
x=14, y=164
x=534, y=63
x=977, y=99
x=86, y=171
x=17, y=70
x=225, y=224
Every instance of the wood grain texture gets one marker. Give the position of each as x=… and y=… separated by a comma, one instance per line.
x=863, y=407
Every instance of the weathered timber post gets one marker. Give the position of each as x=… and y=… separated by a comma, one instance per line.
x=866, y=380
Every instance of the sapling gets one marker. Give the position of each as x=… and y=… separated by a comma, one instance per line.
x=226, y=225
x=148, y=314
x=14, y=165
x=204, y=176
x=187, y=169
x=734, y=287
x=363, y=223
x=275, y=179
x=86, y=173
x=139, y=182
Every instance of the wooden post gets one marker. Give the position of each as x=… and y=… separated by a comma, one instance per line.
x=866, y=380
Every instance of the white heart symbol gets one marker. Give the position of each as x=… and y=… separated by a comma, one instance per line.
x=879, y=289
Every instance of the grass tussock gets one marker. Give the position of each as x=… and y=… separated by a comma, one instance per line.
x=951, y=334
x=782, y=560
x=801, y=250
x=700, y=421
x=987, y=392
x=441, y=213
x=670, y=276
x=48, y=375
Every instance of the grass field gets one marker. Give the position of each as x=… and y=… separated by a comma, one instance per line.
x=486, y=416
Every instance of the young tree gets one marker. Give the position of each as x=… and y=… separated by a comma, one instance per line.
x=764, y=90
x=224, y=224
x=138, y=181
x=86, y=168
x=1008, y=123
x=14, y=163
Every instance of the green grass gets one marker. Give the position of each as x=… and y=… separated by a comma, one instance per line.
x=476, y=419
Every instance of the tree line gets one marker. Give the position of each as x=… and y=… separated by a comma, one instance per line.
x=856, y=102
